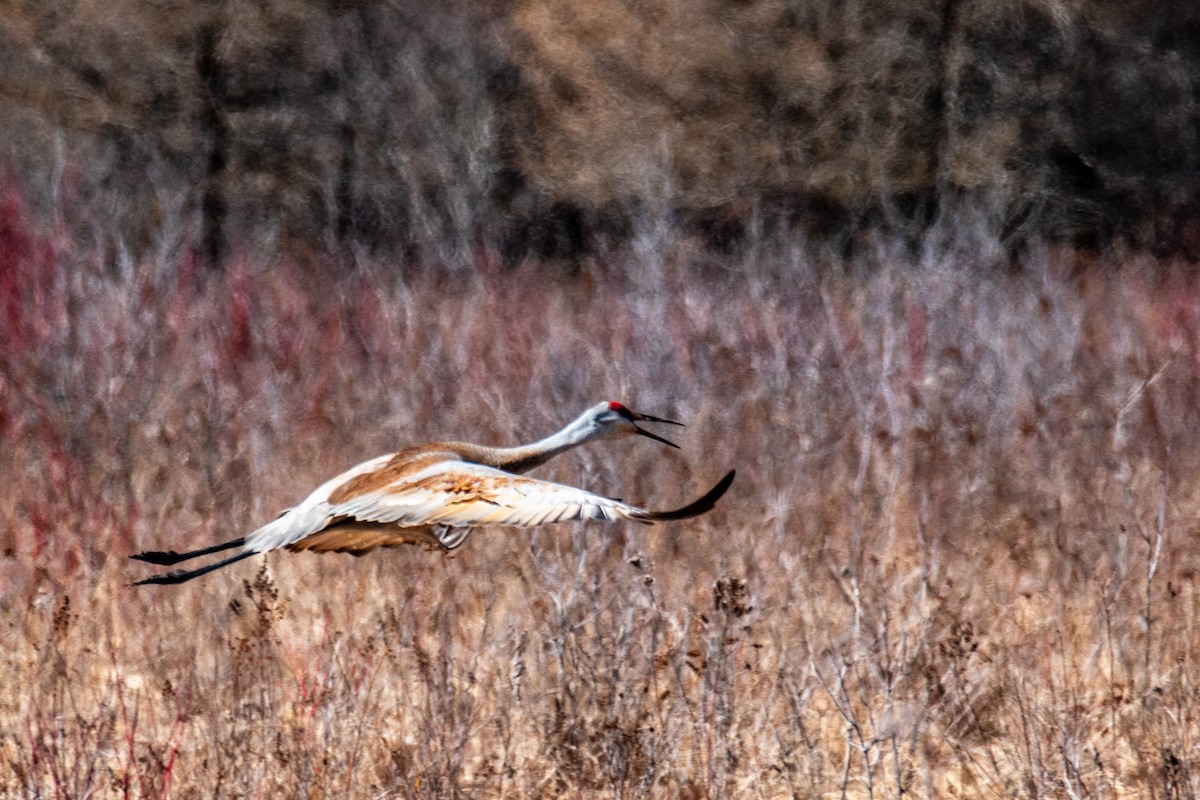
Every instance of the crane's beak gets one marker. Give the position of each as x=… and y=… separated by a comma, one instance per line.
x=655, y=437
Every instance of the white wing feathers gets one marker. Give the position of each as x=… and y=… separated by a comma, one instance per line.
x=451, y=494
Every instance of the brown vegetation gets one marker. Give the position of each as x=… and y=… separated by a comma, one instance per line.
x=960, y=559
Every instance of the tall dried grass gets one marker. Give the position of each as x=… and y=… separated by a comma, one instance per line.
x=959, y=560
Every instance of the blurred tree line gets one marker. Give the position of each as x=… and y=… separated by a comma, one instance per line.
x=557, y=127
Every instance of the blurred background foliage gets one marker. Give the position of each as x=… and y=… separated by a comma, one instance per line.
x=558, y=129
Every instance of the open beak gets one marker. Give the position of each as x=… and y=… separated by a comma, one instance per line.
x=655, y=437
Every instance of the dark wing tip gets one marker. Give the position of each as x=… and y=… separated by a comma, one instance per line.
x=696, y=507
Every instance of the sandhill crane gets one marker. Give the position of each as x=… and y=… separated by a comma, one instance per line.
x=437, y=493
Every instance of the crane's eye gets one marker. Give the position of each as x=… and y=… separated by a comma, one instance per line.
x=621, y=411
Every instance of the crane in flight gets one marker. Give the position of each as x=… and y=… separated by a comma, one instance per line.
x=437, y=493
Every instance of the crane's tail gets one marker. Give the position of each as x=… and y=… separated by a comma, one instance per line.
x=694, y=508
x=181, y=576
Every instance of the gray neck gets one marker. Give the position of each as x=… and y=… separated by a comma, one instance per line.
x=526, y=457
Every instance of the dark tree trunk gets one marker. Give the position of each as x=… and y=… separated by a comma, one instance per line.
x=943, y=102
x=214, y=131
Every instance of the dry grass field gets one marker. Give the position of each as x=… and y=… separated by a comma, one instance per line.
x=960, y=558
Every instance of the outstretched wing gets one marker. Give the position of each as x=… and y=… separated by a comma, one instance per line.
x=456, y=494
x=463, y=494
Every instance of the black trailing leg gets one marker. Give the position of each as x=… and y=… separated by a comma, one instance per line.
x=165, y=558
x=181, y=576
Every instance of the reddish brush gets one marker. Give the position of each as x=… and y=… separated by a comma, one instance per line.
x=959, y=556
